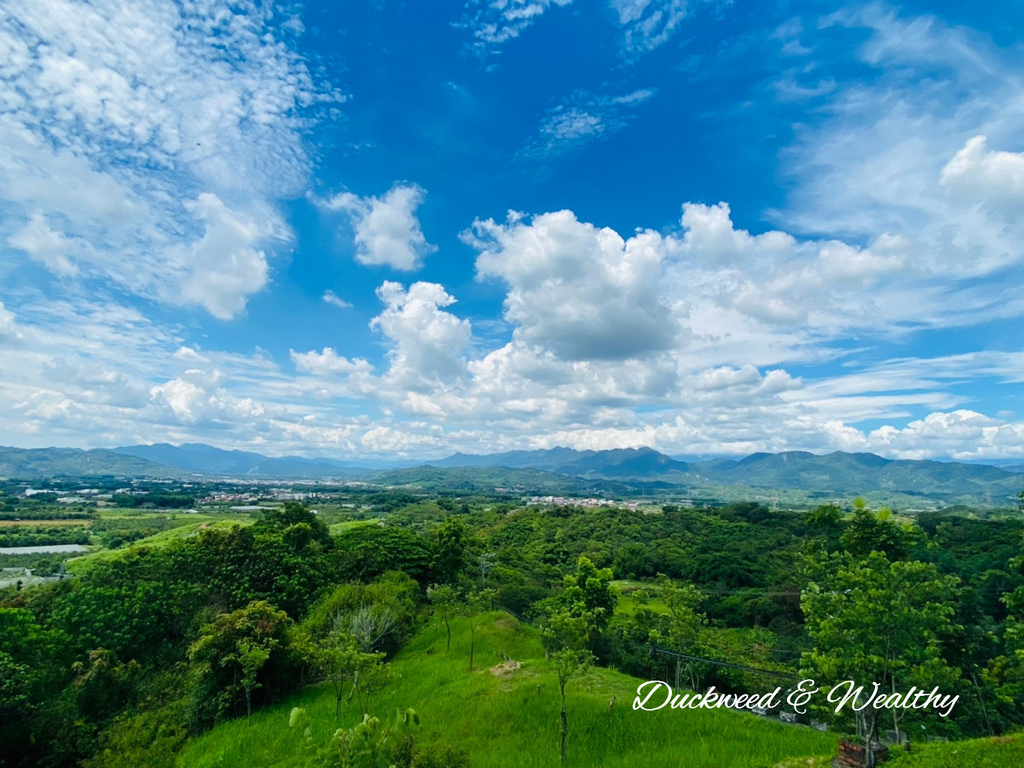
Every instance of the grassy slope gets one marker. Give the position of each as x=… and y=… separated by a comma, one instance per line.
x=1000, y=752
x=509, y=723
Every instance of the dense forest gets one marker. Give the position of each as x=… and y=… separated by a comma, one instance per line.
x=121, y=664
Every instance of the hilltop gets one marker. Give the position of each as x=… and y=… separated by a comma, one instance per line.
x=476, y=710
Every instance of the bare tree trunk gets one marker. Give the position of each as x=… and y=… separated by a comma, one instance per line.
x=355, y=683
x=565, y=723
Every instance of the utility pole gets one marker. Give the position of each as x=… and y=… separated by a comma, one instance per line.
x=486, y=562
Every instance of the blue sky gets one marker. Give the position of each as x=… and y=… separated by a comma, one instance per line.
x=383, y=229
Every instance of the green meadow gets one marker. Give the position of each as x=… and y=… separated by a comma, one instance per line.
x=510, y=719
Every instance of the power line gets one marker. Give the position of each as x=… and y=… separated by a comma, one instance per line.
x=665, y=652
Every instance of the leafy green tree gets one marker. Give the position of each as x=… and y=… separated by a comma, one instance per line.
x=103, y=685
x=1005, y=672
x=368, y=551
x=445, y=600
x=379, y=615
x=293, y=514
x=15, y=686
x=685, y=621
x=877, y=621
x=566, y=636
x=869, y=531
x=449, y=551
x=235, y=648
x=587, y=593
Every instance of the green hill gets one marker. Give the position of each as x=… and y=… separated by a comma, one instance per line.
x=510, y=719
x=73, y=462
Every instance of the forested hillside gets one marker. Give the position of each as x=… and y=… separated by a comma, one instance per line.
x=146, y=648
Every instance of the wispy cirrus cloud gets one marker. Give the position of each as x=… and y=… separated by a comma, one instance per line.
x=330, y=297
x=494, y=22
x=649, y=24
x=585, y=117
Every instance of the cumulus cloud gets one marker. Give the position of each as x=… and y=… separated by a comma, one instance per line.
x=328, y=362
x=427, y=344
x=99, y=95
x=579, y=291
x=196, y=397
x=959, y=434
x=387, y=232
x=992, y=179
x=224, y=266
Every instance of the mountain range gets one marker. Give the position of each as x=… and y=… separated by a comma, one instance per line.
x=835, y=473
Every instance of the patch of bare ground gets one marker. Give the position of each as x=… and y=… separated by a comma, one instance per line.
x=505, y=669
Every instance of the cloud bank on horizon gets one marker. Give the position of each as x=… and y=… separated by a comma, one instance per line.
x=402, y=232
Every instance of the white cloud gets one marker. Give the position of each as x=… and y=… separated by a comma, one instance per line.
x=585, y=117
x=223, y=266
x=991, y=179
x=649, y=24
x=328, y=362
x=8, y=326
x=579, y=291
x=899, y=154
x=44, y=245
x=427, y=344
x=119, y=119
x=330, y=297
x=960, y=434
x=499, y=21
x=387, y=232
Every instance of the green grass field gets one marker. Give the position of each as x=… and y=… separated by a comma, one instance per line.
x=629, y=605
x=336, y=528
x=184, y=525
x=999, y=752
x=512, y=721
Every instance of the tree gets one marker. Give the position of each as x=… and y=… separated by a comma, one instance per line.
x=1006, y=671
x=367, y=551
x=235, y=647
x=869, y=531
x=250, y=657
x=333, y=659
x=289, y=517
x=685, y=623
x=449, y=551
x=581, y=611
x=877, y=621
x=566, y=636
x=587, y=593
x=379, y=615
x=445, y=602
